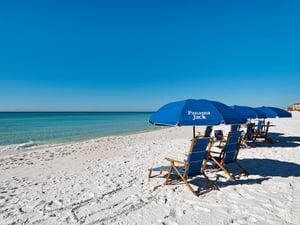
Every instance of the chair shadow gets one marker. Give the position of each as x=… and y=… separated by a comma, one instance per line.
x=279, y=140
x=201, y=183
x=265, y=168
x=271, y=167
x=222, y=184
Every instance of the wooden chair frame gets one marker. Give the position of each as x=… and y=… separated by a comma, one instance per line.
x=262, y=133
x=220, y=160
x=180, y=168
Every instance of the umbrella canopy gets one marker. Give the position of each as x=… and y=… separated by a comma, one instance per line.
x=249, y=112
x=273, y=112
x=192, y=112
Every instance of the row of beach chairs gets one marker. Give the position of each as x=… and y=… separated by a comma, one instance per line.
x=252, y=133
x=202, y=156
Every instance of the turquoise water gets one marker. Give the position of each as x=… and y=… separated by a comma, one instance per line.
x=54, y=127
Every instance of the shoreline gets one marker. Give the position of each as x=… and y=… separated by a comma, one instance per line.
x=6, y=150
x=54, y=127
x=105, y=181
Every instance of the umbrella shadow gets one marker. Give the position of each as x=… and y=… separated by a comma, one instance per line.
x=279, y=140
x=284, y=141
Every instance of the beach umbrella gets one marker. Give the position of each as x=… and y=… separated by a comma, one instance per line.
x=196, y=112
x=273, y=112
x=249, y=112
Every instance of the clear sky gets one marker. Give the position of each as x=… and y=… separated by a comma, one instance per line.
x=139, y=55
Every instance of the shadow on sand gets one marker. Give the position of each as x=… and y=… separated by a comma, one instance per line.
x=279, y=140
x=265, y=168
x=271, y=167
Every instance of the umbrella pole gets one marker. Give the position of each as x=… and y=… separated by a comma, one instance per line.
x=194, y=132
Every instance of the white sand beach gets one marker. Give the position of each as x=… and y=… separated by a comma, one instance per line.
x=105, y=181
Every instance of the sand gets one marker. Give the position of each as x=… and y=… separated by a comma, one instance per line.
x=105, y=181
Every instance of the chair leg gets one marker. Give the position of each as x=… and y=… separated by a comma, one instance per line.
x=269, y=139
x=163, y=170
x=244, y=171
x=212, y=184
x=184, y=180
x=150, y=173
x=169, y=174
x=223, y=168
x=180, y=175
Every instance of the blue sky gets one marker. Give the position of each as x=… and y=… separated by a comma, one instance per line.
x=139, y=55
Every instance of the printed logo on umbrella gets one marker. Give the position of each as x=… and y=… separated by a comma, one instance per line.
x=198, y=115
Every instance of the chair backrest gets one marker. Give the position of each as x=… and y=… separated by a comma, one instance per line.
x=259, y=126
x=208, y=131
x=267, y=128
x=232, y=146
x=196, y=155
x=218, y=135
x=234, y=127
x=249, y=132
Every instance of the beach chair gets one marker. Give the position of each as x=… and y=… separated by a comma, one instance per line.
x=235, y=127
x=229, y=154
x=207, y=132
x=219, y=137
x=259, y=126
x=262, y=132
x=248, y=135
x=193, y=166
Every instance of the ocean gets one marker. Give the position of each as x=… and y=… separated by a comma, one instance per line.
x=34, y=128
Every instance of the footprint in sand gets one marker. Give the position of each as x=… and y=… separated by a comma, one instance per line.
x=54, y=205
x=196, y=206
x=243, y=220
x=167, y=222
x=202, y=209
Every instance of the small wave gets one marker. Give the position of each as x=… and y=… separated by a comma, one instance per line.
x=16, y=147
x=26, y=145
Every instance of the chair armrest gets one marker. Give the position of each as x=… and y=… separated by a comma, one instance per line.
x=215, y=152
x=174, y=160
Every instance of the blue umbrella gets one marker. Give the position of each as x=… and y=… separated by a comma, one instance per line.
x=192, y=112
x=273, y=112
x=249, y=112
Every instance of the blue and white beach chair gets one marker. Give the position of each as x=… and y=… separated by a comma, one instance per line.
x=229, y=154
x=193, y=166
